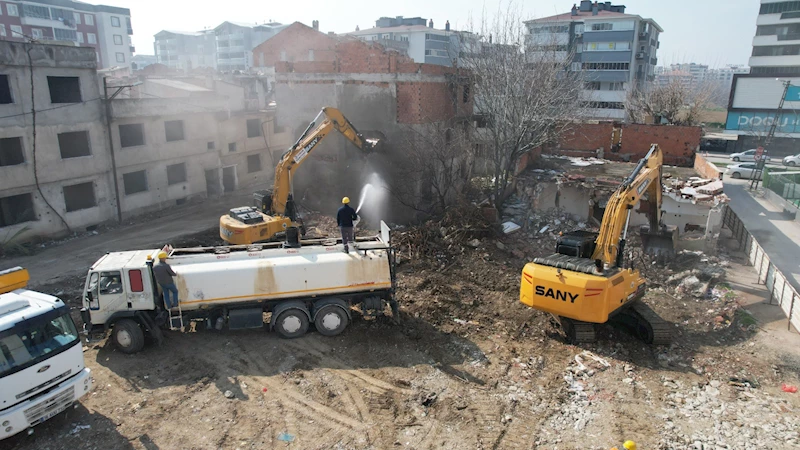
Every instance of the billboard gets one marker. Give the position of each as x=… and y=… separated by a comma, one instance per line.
x=760, y=122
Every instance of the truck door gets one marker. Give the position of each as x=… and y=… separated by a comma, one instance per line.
x=105, y=295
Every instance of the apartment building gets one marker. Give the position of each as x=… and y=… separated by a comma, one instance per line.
x=186, y=50
x=415, y=37
x=615, y=50
x=755, y=97
x=106, y=29
x=695, y=75
x=174, y=140
x=235, y=42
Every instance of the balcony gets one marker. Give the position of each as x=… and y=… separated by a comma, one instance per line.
x=390, y=43
x=789, y=37
x=133, y=49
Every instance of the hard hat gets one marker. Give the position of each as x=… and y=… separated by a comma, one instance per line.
x=629, y=445
x=346, y=200
x=162, y=255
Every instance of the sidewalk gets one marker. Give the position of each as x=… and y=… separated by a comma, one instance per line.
x=74, y=257
x=778, y=236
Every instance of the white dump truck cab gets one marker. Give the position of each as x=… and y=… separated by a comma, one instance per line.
x=42, y=371
x=287, y=286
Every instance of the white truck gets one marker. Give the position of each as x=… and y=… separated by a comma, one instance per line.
x=288, y=285
x=41, y=357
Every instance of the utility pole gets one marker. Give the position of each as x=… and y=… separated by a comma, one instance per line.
x=107, y=101
x=762, y=158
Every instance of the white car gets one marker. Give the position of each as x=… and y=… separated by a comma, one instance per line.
x=792, y=161
x=749, y=155
x=742, y=170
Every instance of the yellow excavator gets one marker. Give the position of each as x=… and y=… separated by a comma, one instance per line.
x=275, y=210
x=584, y=283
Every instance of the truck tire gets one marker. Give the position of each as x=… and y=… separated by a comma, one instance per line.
x=127, y=336
x=292, y=323
x=331, y=320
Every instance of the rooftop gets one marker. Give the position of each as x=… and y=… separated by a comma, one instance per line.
x=398, y=29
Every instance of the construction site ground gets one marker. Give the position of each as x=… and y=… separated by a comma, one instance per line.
x=468, y=367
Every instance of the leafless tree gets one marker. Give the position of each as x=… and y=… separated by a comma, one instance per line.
x=436, y=167
x=676, y=103
x=525, y=96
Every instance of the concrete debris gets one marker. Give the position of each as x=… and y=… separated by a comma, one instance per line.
x=696, y=190
x=583, y=162
x=510, y=227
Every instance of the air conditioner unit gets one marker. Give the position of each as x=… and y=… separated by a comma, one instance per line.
x=640, y=55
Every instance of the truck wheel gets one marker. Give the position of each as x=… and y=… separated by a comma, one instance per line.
x=331, y=320
x=292, y=323
x=128, y=336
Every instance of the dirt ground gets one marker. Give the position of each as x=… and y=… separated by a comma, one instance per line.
x=468, y=367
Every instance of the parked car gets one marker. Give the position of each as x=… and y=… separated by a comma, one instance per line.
x=749, y=155
x=742, y=170
x=792, y=161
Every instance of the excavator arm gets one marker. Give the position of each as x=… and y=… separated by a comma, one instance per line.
x=327, y=120
x=645, y=179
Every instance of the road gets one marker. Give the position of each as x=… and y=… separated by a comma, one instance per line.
x=725, y=159
x=777, y=235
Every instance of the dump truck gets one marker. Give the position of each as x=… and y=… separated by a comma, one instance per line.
x=42, y=371
x=286, y=285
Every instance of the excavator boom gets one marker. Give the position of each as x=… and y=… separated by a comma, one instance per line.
x=275, y=210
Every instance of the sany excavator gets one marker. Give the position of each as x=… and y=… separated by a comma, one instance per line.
x=585, y=283
x=276, y=211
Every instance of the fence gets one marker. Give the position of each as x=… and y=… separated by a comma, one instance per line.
x=785, y=184
x=780, y=290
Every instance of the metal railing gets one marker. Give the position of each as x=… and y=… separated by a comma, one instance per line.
x=785, y=184
x=781, y=292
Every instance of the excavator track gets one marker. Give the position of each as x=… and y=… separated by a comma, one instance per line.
x=649, y=327
x=578, y=332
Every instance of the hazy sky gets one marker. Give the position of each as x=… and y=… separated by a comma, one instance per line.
x=714, y=32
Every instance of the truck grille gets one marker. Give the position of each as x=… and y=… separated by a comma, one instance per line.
x=48, y=406
x=44, y=385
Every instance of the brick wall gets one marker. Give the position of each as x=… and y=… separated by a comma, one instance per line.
x=424, y=102
x=706, y=169
x=297, y=42
x=587, y=137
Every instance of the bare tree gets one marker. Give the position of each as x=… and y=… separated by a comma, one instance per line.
x=525, y=96
x=676, y=103
x=436, y=167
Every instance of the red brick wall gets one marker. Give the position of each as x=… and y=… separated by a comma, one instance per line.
x=706, y=169
x=424, y=102
x=295, y=40
x=587, y=137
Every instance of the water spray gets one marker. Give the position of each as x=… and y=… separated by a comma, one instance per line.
x=364, y=191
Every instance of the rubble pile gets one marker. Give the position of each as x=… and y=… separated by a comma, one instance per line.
x=462, y=225
x=732, y=415
x=696, y=189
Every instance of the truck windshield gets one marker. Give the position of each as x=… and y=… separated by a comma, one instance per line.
x=34, y=340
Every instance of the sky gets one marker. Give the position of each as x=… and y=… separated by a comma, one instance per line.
x=713, y=32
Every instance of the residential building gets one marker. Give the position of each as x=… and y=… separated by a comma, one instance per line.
x=235, y=43
x=139, y=62
x=693, y=74
x=107, y=29
x=615, y=50
x=414, y=37
x=755, y=97
x=186, y=50
x=174, y=140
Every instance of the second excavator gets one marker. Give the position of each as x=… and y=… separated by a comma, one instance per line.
x=585, y=282
x=275, y=211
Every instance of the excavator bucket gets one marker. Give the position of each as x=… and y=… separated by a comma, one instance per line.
x=659, y=243
x=374, y=139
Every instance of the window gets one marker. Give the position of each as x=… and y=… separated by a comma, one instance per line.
x=16, y=209
x=11, y=153
x=253, y=128
x=131, y=135
x=593, y=86
x=174, y=130
x=117, y=39
x=436, y=37
x=63, y=15
x=135, y=182
x=12, y=10
x=114, y=21
x=39, y=12
x=64, y=89
x=605, y=105
x=232, y=147
x=5, y=91
x=80, y=37
x=120, y=57
x=110, y=283
x=91, y=37
x=36, y=33
x=79, y=196
x=403, y=38
x=550, y=29
x=606, y=66
x=602, y=27
x=606, y=46
x=2, y=28
x=74, y=144
x=16, y=31
x=253, y=163
x=777, y=8
x=616, y=86
x=65, y=35
x=176, y=173
x=78, y=18
x=465, y=94
x=776, y=50
x=210, y=145
x=89, y=19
